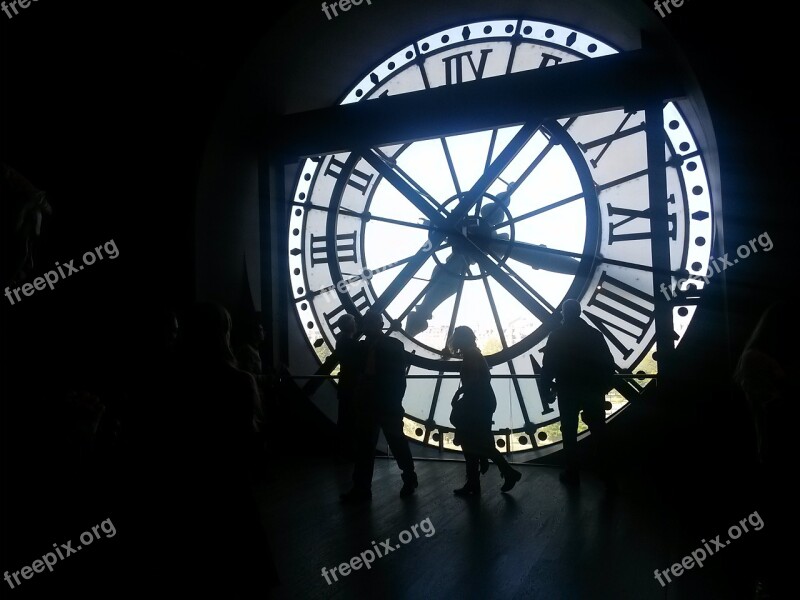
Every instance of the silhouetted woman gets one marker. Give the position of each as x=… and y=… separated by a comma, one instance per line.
x=473, y=407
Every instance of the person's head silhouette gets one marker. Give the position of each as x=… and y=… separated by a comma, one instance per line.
x=372, y=323
x=570, y=310
x=207, y=333
x=347, y=325
x=463, y=337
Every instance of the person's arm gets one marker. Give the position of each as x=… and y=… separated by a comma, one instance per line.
x=471, y=369
x=609, y=366
x=548, y=370
x=256, y=406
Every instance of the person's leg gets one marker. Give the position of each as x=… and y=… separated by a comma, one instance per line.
x=568, y=406
x=472, y=461
x=510, y=475
x=594, y=415
x=344, y=428
x=497, y=458
x=485, y=448
x=473, y=484
x=366, y=438
x=483, y=455
x=392, y=426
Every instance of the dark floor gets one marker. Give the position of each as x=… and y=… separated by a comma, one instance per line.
x=542, y=540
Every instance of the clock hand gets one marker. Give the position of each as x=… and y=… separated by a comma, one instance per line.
x=537, y=257
x=555, y=136
x=522, y=296
x=406, y=189
x=494, y=170
x=413, y=265
x=599, y=258
x=445, y=281
x=539, y=211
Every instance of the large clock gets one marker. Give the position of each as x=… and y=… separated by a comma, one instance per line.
x=494, y=229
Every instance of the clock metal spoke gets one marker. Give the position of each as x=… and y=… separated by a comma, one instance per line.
x=311, y=206
x=492, y=143
x=398, y=263
x=515, y=289
x=454, y=316
x=621, y=180
x=411, y=268
x=426, y=226
x=435, y=399
x=539, y=211
x=536, y=162
x=495, y=314
x=346, y=212
x=451, y=166
x=626, y=264
x=504, y=344
x=506, y=267
x=416, y=186
x=331, y=288
x=405, y=188
x=489, y=153
x=688, y=155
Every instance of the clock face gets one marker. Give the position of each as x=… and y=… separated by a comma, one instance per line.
x=494, y=229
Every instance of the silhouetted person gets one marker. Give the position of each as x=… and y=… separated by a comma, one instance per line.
x=764, y=372
x=248, y=355
x=379, y=406
x=347, y=354
x=579, y=360
x=216, y=511
x=248, y=359
x=23, y=209
x=473, y=407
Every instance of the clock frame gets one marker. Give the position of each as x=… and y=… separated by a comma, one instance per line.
x=611, y=154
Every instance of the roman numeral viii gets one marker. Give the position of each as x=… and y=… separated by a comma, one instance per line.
x=360, y=300
x=622, y=312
